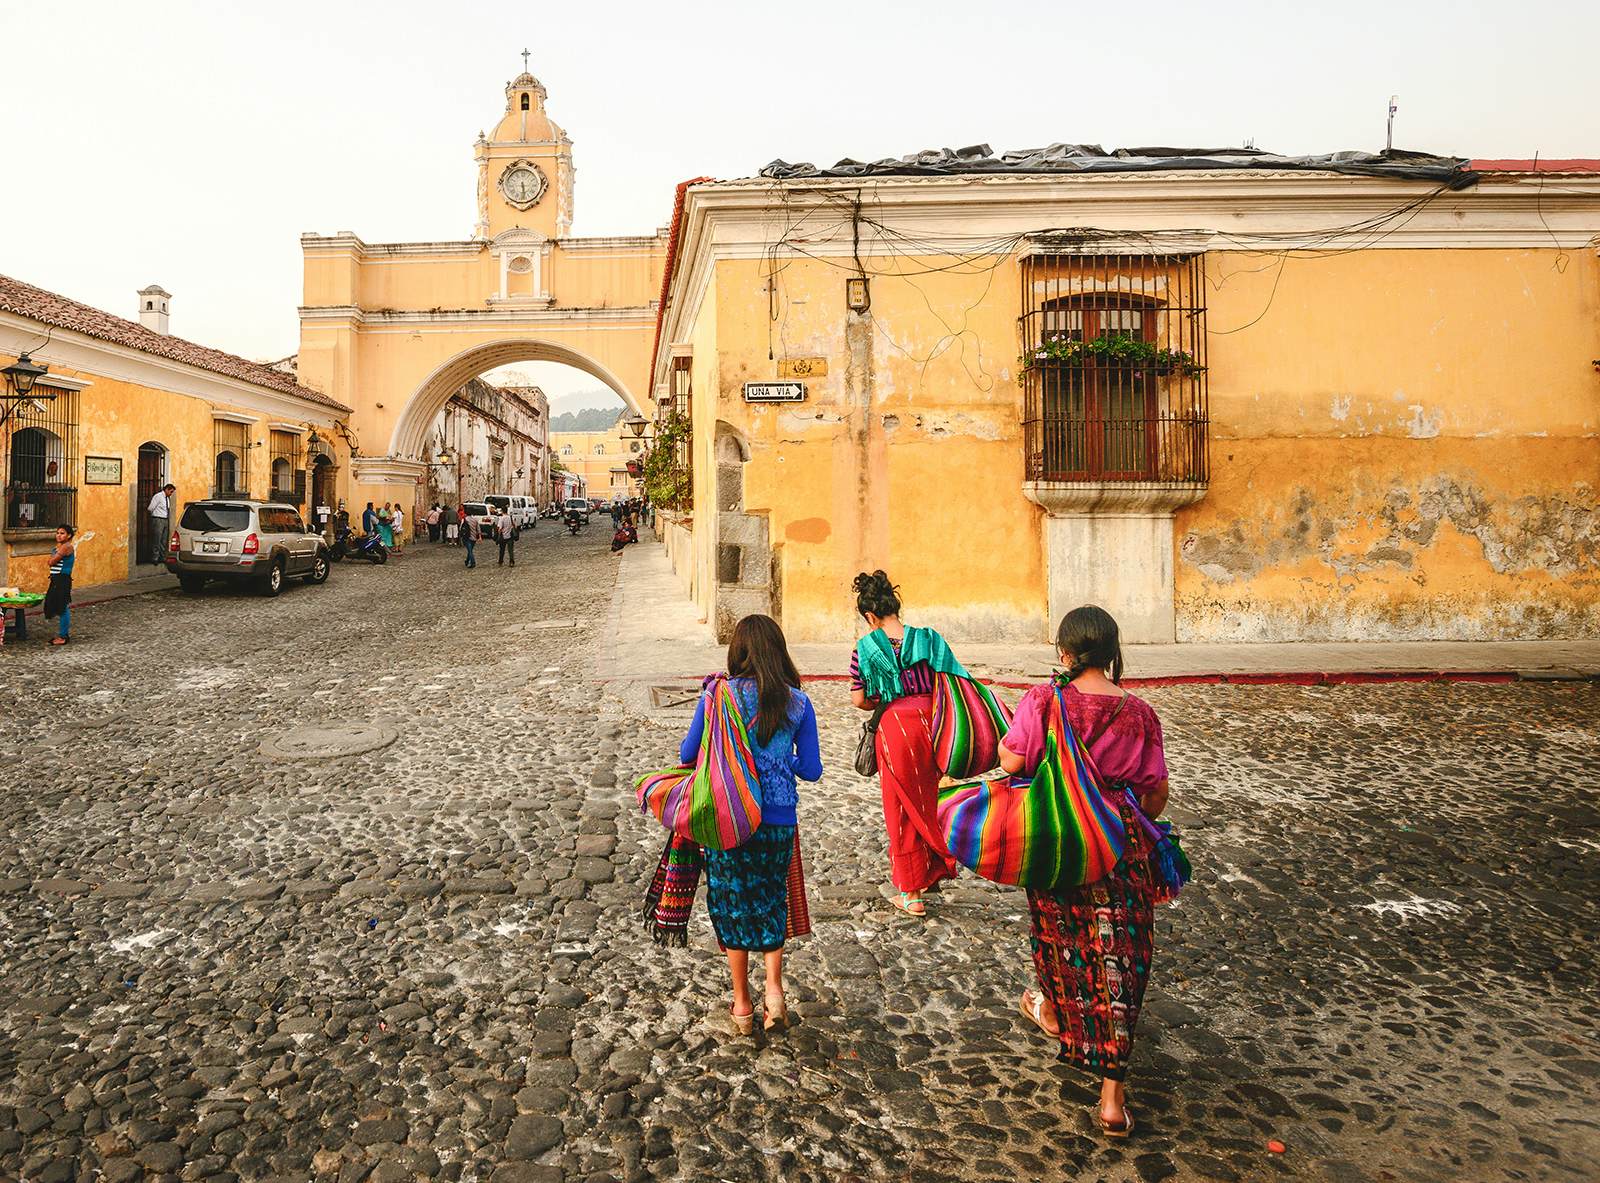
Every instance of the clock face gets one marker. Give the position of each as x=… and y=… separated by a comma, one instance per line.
x=522, y=184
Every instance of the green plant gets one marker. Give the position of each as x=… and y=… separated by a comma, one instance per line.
x=668, y=479
x=1118, y=349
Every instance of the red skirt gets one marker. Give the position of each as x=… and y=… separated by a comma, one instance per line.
x=910, y=783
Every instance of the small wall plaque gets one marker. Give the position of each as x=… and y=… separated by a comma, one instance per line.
x=102, y=470
x=803, y=367
x=774, y=392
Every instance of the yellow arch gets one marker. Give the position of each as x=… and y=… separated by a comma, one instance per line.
x=430, y=396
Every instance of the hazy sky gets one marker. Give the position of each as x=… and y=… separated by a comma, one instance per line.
x=189, y=144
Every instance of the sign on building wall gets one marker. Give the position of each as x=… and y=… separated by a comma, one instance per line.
x=102, y=470
x=803, y=367
x=774, y=392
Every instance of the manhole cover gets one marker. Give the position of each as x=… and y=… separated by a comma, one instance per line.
x=328, y=743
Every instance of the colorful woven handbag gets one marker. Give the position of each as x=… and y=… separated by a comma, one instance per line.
x=968, y=723
x=1052, y=832
x=717, y=803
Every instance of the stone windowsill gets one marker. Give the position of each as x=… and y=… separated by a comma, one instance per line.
x=1112, y=497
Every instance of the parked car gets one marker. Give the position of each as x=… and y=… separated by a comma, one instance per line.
x=483, y=514
x=524, y=512
x=262, y=542
x=578, y=505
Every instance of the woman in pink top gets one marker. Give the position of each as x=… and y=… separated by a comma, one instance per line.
x=1092, y=945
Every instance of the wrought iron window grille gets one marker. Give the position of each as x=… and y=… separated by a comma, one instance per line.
x=41, y=464
x=1114, y=368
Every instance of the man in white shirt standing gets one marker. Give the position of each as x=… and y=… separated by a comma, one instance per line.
x=506, y=534
x=160, y=508
x=398, y=522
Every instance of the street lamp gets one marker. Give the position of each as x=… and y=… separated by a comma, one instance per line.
x=635, y=423
x=22, y=376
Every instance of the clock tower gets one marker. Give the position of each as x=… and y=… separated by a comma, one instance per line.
x=524, y=167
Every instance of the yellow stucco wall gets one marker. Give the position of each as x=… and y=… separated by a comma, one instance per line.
x=1404, y=445
x=115, y=417
x=617, y=446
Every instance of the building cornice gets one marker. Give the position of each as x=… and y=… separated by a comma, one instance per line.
x=993, y=214
x=373, y=319
x=104, y=359
x=453, y=250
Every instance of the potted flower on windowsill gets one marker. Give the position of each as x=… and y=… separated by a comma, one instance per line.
x=1120, y=351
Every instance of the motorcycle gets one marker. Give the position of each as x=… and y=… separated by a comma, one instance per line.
x=347, y=543
x=574, y=523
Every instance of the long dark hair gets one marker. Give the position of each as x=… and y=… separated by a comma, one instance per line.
x=759, y=651
x=875, y=594
x=1091, y=640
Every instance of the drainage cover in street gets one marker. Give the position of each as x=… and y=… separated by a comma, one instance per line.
x=680, y=697
x=328, y=742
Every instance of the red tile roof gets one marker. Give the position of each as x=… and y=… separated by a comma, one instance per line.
x=23, y=299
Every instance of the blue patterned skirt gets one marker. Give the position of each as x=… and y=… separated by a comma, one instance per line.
x=747, y=890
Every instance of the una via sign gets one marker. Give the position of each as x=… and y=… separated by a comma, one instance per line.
x=774, y=392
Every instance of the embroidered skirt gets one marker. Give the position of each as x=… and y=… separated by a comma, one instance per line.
x=1091, y=949
x=747, y=890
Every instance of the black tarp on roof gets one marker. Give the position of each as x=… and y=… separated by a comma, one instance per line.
x=1091, y=158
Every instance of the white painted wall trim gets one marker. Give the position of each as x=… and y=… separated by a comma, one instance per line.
x=61, y=382
x=231, y=417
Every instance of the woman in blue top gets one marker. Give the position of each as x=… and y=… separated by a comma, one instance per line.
x=747, y=888
x=58, y=596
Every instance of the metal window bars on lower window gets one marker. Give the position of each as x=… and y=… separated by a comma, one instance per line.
x=41, y=463
x=288, y=477
x=231, y=467
x=1114, y=367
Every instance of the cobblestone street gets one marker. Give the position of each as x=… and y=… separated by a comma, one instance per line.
x=425, y=960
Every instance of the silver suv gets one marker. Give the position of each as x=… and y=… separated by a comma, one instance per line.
x=264, y=542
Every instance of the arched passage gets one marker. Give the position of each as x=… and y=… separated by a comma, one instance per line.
x=430, y=396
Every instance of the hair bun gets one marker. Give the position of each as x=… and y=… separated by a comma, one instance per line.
x=875, y=593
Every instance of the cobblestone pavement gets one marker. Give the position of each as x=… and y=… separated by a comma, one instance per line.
x=424, y=961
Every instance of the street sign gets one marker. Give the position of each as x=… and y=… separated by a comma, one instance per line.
x=774, y=392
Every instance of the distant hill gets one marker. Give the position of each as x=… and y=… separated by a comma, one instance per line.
x=588, y=419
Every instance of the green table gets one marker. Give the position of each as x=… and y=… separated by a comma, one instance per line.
x=19, y=605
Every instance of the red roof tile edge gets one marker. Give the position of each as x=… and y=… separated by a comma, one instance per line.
x=48, y=308
x=672, y=262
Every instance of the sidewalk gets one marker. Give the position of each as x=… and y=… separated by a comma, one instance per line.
x=654, y=634
x=102, y=593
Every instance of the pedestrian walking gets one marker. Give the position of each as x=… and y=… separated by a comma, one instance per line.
x=471, y=532
x=433, y=522
x=397, y=526
x=1092, y=945
x=451, y=526
x=755, y=893
x=386, y=526
x=369, y=520
x=505, y=534
x=160, y=510
x=58, y=596
x=892, y=674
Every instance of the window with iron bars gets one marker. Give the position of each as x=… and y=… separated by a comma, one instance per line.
x=231, y=448
x=288, y=474
x=683, y=404
x=42, y=462
x=1113, y=368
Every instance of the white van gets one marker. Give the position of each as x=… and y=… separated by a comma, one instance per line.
x=522, y=510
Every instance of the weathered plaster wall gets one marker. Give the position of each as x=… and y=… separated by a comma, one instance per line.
x=907, y=454
x=1406, y=446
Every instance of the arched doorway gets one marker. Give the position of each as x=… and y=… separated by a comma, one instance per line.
x=152, y=476
x=323, y=496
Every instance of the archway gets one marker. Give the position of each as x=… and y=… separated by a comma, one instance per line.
x=411, y=428
x=152, y=476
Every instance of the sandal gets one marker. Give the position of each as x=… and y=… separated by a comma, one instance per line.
x=909, y=905
x=58, y=640
x=1120, y=1130
x=776, y=1020
x=1032, y=1007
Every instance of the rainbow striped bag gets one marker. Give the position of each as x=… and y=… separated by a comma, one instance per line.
x=1052, y=832
x=717, y=803
x=968, y=724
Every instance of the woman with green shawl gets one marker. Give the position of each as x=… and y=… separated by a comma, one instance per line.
x=895, y=664
x=386, y=526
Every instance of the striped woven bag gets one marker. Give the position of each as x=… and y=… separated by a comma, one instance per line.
x=717, y=803
x=1052, y=832
x=968, y=723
